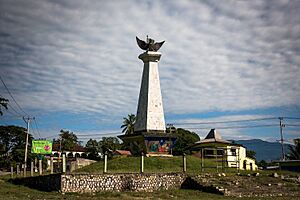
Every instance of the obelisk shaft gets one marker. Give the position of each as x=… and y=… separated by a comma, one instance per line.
x=150, y=115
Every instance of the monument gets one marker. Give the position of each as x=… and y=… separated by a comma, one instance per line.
x=150, y=134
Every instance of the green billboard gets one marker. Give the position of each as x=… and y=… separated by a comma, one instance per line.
x=41, y=147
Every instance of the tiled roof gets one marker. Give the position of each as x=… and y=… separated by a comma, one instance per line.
x=123, y=152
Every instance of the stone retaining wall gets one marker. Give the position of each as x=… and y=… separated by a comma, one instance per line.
x=103, y=182
x=121, y=182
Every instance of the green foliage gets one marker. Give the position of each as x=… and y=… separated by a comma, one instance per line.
x=185, y=139
x=128, y=124
x=68, y=140
x=294, y=151
x=109, y=144
x=12, y=145
x=251, y=154
x=93, y=148
x=3, y=103
x=262, y=164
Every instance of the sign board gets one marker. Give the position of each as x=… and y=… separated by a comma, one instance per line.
x=41, y=146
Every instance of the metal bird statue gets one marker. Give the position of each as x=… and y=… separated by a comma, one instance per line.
x=149, y=45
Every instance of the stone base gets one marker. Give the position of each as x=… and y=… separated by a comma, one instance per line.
x=152, y=143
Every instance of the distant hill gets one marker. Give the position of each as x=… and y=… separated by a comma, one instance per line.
x=267, y=151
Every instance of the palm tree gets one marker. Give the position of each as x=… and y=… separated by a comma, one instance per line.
x=3, y=103
x=294, y=153
x=128, y=124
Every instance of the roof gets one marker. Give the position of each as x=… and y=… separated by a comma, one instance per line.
x=213, y=137
x=77, y=148
x=122, y=152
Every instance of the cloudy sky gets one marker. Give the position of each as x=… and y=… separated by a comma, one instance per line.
x=73, y=64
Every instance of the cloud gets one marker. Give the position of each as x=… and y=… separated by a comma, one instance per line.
x=81, y=56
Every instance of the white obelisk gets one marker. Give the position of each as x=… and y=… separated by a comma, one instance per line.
x=150, y=114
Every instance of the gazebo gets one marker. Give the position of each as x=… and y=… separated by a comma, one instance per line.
x=225, y=152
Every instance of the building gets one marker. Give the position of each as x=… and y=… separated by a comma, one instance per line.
x=226, y=153
x=123, y=153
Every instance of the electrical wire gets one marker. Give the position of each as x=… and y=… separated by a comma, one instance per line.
x=12, y=108
x=12, y=96
x=37, y=129
x=292, y=124
x=97, y=134
x=233, y=127
x=12, y=115
x=223, y=122
x=291, y=117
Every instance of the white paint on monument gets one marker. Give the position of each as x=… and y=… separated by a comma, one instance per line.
x=150, y=113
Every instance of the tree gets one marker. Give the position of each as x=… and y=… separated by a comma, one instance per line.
x=109, y=144
x=93, y=148
x=69, y=140
x=294, y=151
x=128, y=124
x=251, y=154
x=3, y=103
x=12, y=145
x=184, y=139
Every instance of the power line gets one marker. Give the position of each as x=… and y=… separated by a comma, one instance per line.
x=37, y=129
x=292, y=124
x=14, y=110
x=12, y=96
x=233, y=127
x=12, y=115
x=95, y=134
x=223, y=122
x=87, y=135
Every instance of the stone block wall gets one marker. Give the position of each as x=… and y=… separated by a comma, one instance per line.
x=121, y=182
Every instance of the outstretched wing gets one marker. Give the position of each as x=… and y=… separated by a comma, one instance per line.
x=157, y=45
x=142, y=44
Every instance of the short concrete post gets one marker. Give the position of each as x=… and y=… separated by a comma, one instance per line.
x=11, y=172
x=184, y=162
x=35, y=165
x=40, y=167
x=64, y=163
x=202, y=160
x=51, y=165
x=18, y=170
x=142, y=163
x=24, y=170
x=31, y=168
x=105, y=163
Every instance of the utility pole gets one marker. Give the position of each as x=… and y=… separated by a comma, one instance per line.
x=281, y=137
x=27, y=121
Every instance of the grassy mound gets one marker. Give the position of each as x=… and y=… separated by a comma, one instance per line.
x=151, y=164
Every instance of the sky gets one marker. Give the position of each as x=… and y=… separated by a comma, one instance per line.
x=74, y=65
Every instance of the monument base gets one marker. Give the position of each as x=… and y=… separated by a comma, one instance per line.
x=151, y=144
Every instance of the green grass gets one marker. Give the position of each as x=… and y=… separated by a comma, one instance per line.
x=152, y=164
x=131, y=165
x=9, y=191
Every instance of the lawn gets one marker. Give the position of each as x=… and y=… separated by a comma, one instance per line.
x=130, y=165
x=152, y=164
x=9, y=191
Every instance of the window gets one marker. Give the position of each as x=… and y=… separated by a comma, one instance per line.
x=233, y=151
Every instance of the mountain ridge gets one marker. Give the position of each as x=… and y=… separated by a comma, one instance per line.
x=268, y=151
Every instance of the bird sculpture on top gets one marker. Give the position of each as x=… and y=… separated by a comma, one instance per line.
x=149, y=45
